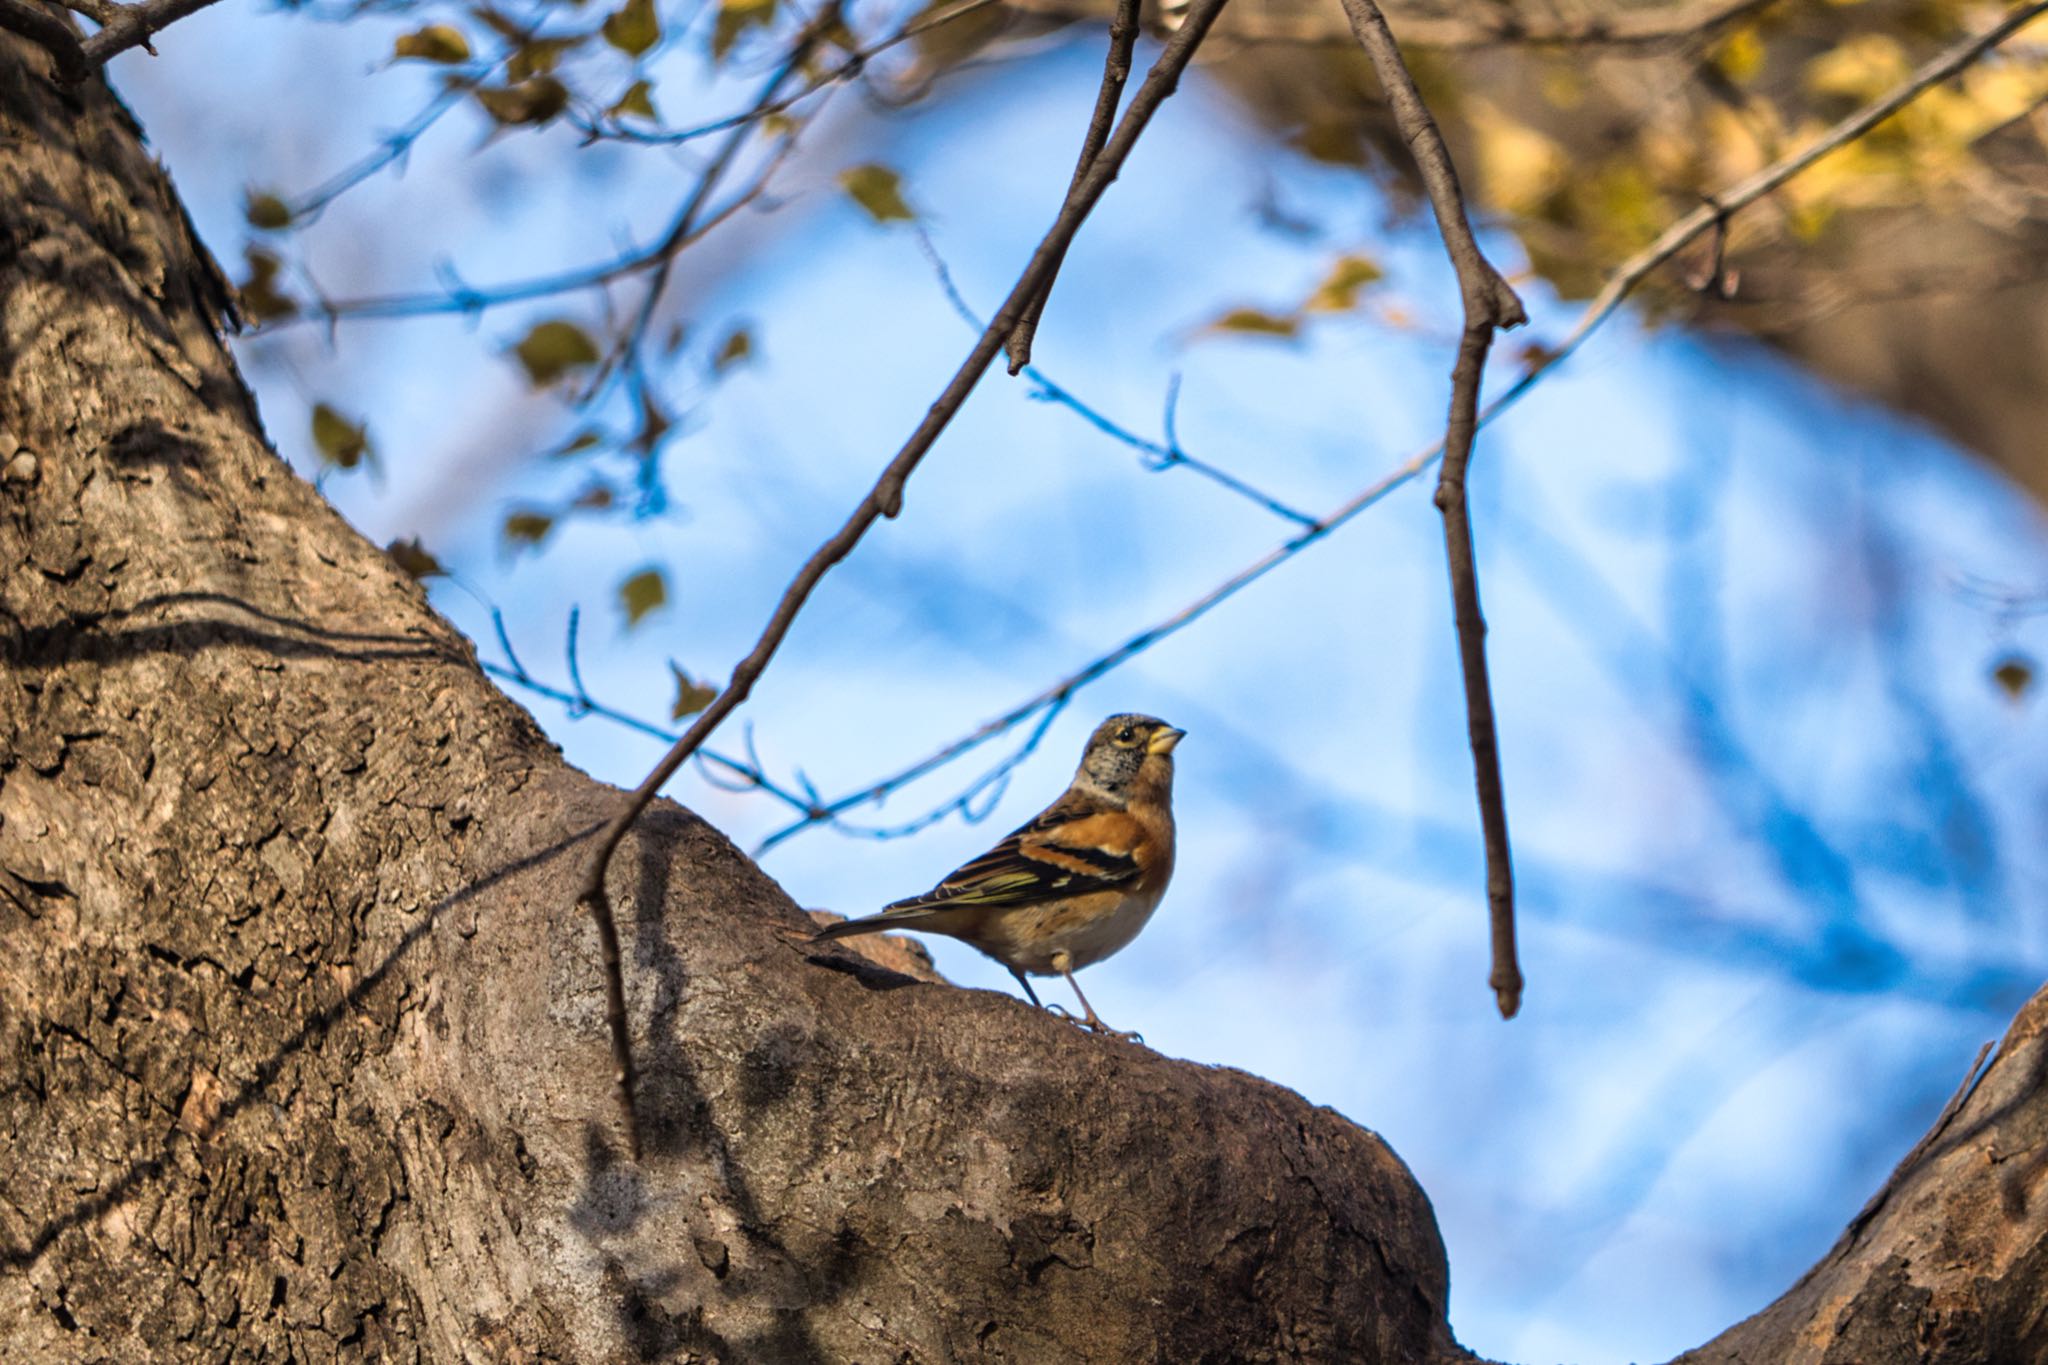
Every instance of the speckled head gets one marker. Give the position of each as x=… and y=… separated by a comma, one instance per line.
x=1119, y=751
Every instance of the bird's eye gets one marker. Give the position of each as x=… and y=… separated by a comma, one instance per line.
x=1124, y=736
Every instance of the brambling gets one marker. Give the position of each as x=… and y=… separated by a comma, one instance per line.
x=1075, y=884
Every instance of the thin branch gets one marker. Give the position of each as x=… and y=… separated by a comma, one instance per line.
x=884, y=500
x=1116, y=69
x=686, y=226
x=1620, y=285
x=133, y=26
x=462, y=298
x=853, y=65
x=1489, y=305
x=1481, y=27
x=52, y=34
x=1157, y=456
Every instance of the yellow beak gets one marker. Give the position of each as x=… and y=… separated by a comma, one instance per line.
x=1162, y=741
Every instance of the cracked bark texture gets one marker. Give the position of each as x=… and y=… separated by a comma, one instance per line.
x=302, y=1051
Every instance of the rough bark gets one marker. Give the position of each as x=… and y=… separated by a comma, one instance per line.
x=304, y=1046
x=1948, y=1263
x=303, y=1043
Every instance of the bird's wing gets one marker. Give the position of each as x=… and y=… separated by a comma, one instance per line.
x=1071, y=849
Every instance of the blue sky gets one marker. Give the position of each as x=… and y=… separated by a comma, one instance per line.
x=1778, y=834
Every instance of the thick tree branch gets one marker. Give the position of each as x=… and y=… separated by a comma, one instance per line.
x=1116, y=69
x=134, y=25
x=1489, y=304
x=884, y=500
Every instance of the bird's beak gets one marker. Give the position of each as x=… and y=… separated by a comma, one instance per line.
x=1162, y=741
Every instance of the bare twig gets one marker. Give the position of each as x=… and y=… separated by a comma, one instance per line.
x=1474, y=27
x=52, y=34
x=852, y=65
x=1619, y=286
x=1116, y=69
x=1489, y=304
x=133, y=25
x=884, y=500
x=1158, y=456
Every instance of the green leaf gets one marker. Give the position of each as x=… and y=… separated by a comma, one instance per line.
x=528, y=527
x=633, y=27
x=691, y=696
x=535, y=101
x=1256, y=322
x=259, y=295
x=642, y=593
x=879, y=190
x=638, y=101
x=737, y=346
x=413, y=559
x=341, y=443
x=266, y=211
x=1338, y=293
x=554, y=348
x=442, y=43
x=735, y=17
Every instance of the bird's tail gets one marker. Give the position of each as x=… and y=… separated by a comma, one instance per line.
x=847, y=928
x=936, y=919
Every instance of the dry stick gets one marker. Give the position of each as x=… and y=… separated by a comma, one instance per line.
x=884, y=500
x=133, y=26
x=1489, y=304
x=1619, y=286
x=1116, y=69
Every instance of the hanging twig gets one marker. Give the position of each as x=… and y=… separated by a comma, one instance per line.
x=1489, y=305
x=1116, y=69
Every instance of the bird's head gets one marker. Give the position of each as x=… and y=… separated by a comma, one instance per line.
x=1125, y=747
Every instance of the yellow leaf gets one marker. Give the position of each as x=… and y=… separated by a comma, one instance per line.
x=1338, y=293
x=1740, y=55
x=735, y=17
x=341, y=443
x=642, y=593
x=1257, y=322
x=554, y=348
x=259, y=295
x=528, y=528
x=2015, y=675
x=637, y=101
x=691, y=696
x=442, y=43
x=879, y=190
x=535, y=101
x=412, y=559
x=737, y=346
x=633, y=27
x=1519, y=168
x=1859, y=69
x=266, y=211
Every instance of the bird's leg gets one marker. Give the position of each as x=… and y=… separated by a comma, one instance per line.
x=1025, y=982
x=1064, y=964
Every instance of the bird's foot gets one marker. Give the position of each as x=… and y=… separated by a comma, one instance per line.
x=1095, y=1025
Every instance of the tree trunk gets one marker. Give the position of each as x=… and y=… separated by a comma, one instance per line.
x=303, y=1035
x=304, y=1041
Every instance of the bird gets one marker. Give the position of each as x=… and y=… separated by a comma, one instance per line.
x=1074, y=884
